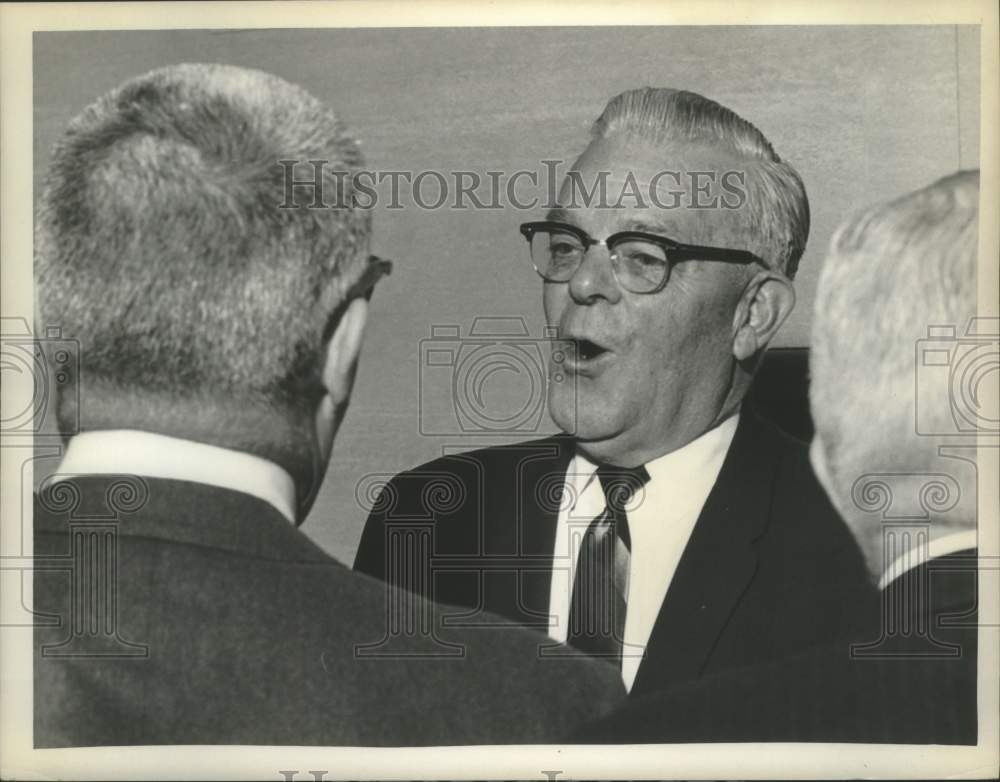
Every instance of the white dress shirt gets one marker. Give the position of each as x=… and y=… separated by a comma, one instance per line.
x=661, y=518
x=133, y=452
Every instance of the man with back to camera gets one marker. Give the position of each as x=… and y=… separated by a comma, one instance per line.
x=220, y=333
x=904, y=486
x=670, y=530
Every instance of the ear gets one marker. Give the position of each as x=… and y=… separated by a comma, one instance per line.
x=765, y=304
x=342, y=352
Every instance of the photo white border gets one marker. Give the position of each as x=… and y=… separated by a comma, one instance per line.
x=693, y=761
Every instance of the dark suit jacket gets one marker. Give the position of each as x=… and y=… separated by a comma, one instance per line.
x=910, y=680
x=769, y=568
x=203, y=616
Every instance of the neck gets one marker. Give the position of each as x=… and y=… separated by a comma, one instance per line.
x=610, y=452
x=641, y=446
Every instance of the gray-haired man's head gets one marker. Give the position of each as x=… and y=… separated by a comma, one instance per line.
x=654, y=370
x=893, y=272
x=205, y=307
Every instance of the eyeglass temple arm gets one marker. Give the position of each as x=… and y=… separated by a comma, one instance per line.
x=683, y=252
x=375, y=269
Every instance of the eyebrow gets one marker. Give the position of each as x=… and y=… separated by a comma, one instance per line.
x=559, y=215
x=662, y=229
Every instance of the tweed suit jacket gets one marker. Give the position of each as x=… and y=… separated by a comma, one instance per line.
x=190, y=614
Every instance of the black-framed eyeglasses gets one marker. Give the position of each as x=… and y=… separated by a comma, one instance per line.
x=640, y=261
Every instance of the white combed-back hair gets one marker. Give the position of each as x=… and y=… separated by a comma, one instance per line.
x=775, y=221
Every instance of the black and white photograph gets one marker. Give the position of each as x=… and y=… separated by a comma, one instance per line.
x=591, y=395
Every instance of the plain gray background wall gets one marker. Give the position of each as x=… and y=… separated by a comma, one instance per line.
x=863, y=113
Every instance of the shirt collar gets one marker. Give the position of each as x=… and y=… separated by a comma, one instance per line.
x=133, y=452
x=693, y=458
x=688, y=460
x=938, y=547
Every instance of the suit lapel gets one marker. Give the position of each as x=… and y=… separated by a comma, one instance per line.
x=540, y=473
x=718, y=562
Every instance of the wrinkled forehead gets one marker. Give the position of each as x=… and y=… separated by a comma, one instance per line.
x=688, y=191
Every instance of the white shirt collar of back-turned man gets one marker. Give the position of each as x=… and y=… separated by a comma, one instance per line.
x=151, y=455
x=660, y=525
x=918, y=555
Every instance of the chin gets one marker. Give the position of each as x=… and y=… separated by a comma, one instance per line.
x=564, y=416
x=585, y=419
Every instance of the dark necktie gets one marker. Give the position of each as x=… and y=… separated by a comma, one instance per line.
x=600, y=588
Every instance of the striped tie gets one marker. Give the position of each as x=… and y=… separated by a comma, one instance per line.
x=600, y=588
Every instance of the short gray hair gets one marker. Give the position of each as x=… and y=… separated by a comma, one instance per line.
x=776, y=220
x=161, y=247
x=892, y=271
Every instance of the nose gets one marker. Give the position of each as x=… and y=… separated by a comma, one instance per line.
x=594, y=279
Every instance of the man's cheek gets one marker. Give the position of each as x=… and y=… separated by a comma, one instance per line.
x=553, y=302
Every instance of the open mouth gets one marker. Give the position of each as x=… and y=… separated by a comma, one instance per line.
x=586, y=350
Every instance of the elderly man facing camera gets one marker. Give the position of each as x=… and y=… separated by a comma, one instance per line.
x=670, y=531
x=906, y=489
x=220, y=333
